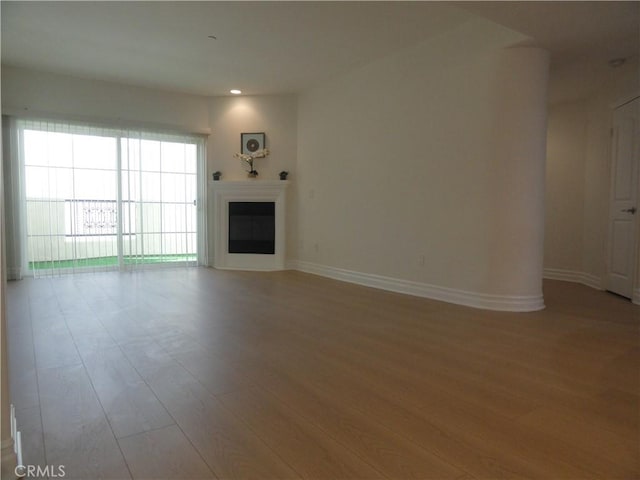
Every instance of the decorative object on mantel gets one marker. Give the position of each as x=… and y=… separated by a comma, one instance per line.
x=251, y=147
x=251, y=142
x=283, y=175
x=249, y=158
x=217, y=175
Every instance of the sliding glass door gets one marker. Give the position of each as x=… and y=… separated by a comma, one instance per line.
x=103, y=198
x=159, y=197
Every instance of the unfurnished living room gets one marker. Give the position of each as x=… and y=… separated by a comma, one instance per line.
x=320, y=240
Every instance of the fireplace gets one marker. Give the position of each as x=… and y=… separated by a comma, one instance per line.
x=252, y=227
x=248, y=224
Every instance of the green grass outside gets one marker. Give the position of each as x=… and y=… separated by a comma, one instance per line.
x=110, y=261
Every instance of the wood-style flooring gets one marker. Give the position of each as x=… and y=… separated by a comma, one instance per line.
x=194, y=373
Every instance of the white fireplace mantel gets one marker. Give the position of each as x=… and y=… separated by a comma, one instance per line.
x=223, y=192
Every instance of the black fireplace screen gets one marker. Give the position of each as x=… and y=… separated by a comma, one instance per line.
x=252, y=227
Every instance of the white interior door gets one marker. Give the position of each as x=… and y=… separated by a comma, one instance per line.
x=624, y=199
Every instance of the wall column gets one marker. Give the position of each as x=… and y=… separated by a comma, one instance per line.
x=517, y=176
x=8, y=458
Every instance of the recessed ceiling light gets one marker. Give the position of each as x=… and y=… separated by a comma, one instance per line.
x=236, y=91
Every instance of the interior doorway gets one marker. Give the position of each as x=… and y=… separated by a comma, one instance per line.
x=622, y=255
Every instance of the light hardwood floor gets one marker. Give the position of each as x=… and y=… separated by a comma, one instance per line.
x=197, y=373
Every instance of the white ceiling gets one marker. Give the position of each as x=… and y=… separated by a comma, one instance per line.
x=571, y=30
x=279, y=47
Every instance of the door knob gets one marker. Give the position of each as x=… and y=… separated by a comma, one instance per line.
x=631, y=210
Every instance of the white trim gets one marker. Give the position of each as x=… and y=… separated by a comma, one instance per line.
x=224, y=192
x=510, y=303
x=573, y=276
x=8, y=458
x=291, y=264
x=17, y=438
x=11, y=448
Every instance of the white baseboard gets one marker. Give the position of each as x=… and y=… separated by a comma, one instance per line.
x=15, y=433
x=573, y=276
x=291, y=264
x=511, y=303
x=11, y=449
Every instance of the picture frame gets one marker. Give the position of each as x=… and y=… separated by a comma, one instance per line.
x=251, y=142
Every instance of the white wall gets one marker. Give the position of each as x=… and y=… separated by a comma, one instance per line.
x=362, y=140
x=33, y=93
x=566, y=152
x=276, y=116
x=398, y=172
x=30, y=92
x=578, y=170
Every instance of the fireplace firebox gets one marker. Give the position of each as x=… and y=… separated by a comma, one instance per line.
x=252, y=227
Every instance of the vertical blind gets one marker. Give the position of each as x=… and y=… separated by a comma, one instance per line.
x=93, y=198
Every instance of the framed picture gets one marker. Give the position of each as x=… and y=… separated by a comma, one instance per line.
x=251, y=142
